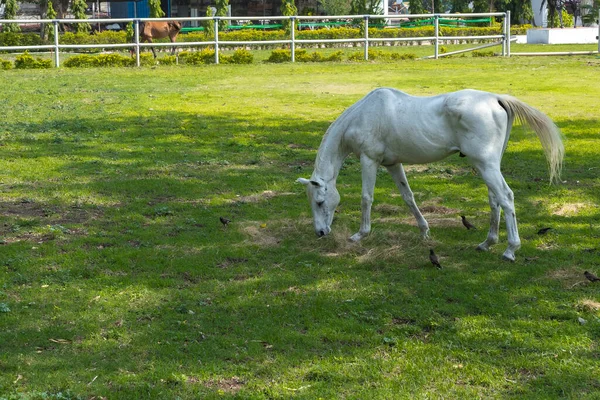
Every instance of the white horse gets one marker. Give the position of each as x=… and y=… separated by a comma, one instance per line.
x=388, y=127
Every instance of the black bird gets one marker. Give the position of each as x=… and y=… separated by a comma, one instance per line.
x=591, y=277
x=543, y=231
x=224, y=221
x=434, y=259
x=466, y=223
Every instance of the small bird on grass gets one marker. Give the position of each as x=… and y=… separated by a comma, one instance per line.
x=591, y=277
x=466, y=223
x=224, y=221
x=434, y=259
x=543, y=231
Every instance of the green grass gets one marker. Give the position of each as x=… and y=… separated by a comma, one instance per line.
x=118, y=280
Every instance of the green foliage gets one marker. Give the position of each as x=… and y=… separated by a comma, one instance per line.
x=100, y=60
x=5, y=64
x=365, y=7
x=10, y=12
x=335, y=7
x=240, y=56
x=27, y=61
x=280, y=56
x=78, y=8
x=129, y=32
x=566, y=17
x=288, y=9
x=205, y=56
x=49, y=28
x=591, y=12
x=483, y=53
x=222, y=12
x=155, y=10
x=208, y=25
x=380, y=55
x=19, y=39
x=303, y=56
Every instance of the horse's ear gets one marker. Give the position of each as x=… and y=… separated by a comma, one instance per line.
x=303, y=181
x=315, y=184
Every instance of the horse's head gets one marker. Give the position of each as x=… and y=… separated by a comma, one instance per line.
x=324, y=198
x=175, y=26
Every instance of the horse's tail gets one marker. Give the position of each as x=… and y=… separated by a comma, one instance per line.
x=545, y=129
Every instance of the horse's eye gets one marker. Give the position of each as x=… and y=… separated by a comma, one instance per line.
x=320, y=203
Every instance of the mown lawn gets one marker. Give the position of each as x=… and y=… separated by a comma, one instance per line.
x=118, y=281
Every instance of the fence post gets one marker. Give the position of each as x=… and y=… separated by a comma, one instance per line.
x=293, y=45
x=507, y=33
x=136, y=41
x=216, y=40
x=436, y=24
x=56, y=49
x=366, y=17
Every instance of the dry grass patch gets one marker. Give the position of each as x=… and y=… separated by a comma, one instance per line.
x=588, y=305
x=570, y=209
x=258, y=197
x=568, y=277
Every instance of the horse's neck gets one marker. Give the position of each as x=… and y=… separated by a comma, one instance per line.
x=330, y=157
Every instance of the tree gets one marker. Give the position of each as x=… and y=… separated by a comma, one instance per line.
x=288, y=9
x=222, y=7
x=10, y=12
x=78, y=8
x=364, y=7
x=335, y=7
x=49, y=28
x=155, y=10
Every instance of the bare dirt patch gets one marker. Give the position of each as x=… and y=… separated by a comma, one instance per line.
x=568, y=277
x=230, y=385
x=48, y=213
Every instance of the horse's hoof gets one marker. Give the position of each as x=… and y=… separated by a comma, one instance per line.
x=356, y=237
x=482, y=247
x=509, y=257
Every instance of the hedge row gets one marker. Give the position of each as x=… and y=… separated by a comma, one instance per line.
x=31, y=39
x=26, y=61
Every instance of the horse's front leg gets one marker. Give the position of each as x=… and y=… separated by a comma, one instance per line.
x=399, y=177
x=369, y=176
x=492, y=237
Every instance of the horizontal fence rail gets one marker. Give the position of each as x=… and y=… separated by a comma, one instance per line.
x=367, y=21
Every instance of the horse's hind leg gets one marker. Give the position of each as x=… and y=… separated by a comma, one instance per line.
x=504, y=197
x=492, y=237
x=399, y=177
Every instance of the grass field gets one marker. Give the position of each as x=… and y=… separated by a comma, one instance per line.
x=118, y=281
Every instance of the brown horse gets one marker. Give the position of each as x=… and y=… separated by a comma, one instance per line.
x=158, y=30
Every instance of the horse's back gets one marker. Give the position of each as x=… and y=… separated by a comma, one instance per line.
x=393, y=126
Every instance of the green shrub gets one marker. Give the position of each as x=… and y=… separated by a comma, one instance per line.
x=4, y=64
x=404, y=56
x=115, y=60
x=26, y=61
x=205, y=56
x=485, y=53
x=240, y=56
x=19, y=39
x=303, y=56
x=280, y=56
x=378, y=54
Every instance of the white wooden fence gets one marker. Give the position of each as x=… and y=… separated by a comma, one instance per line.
x=56, y=47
